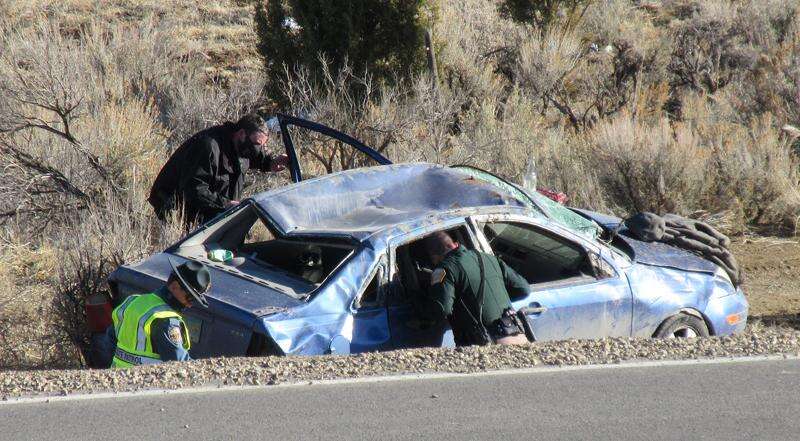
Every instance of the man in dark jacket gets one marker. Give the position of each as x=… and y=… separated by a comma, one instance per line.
x=455, y=293
x=206, y=173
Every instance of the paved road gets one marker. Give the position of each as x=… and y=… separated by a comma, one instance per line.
x=750, y=400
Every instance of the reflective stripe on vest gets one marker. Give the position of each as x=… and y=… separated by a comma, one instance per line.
x=133, y=359
x=132, y=322
x=120, y=312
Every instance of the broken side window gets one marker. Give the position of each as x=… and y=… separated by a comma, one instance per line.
x=413, y=266
x=260, y=253
x=309, y=259
x=538, y=256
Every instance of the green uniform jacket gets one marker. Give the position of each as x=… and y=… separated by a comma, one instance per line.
x=459, y=276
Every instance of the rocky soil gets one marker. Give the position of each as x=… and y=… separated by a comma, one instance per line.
x=772, y=276
x=757, y=340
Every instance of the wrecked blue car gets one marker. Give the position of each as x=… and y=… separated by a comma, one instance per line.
x=331, y=264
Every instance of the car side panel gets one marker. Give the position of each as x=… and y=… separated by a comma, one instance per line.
x=590, y=310
x=328, y=323
x=661, y=292
x=408, y=332
x=724, y=302
x=223, y=329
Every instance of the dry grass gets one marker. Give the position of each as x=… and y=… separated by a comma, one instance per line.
x=673, y=105
x=93, y=97
x=221, y=32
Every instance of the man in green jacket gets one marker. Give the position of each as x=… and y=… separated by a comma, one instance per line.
x=148, y=329
x=455, y=293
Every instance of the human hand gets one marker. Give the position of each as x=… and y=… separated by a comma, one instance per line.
x=232, y=203
x=279, y=163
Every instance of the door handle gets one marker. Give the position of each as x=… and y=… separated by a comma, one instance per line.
x=534, y=308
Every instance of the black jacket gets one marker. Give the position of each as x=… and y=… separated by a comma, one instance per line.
x=204, y=174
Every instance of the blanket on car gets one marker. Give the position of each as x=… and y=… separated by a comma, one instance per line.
x=688, y=234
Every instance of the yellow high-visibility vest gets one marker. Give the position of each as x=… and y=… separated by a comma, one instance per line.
x=132, y=321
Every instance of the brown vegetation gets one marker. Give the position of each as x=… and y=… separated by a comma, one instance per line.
x=668, y=106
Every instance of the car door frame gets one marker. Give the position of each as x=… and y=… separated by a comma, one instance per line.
x=536, y=309
x=286, y=121
x=414, y=235
x=375, y=315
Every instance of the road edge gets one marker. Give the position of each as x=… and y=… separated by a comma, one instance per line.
x=394, y=378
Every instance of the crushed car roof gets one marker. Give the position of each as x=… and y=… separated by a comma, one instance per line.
x=360, y=202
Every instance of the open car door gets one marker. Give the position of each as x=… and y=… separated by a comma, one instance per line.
x=315, y=149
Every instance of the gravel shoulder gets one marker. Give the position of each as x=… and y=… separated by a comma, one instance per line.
x=756, y=340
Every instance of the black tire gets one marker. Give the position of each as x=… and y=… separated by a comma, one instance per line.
x=682, y=326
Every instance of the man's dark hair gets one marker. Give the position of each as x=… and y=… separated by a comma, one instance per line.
x=439, y=243
x=250, y=123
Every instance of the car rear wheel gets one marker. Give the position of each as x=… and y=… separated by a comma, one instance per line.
x=682, y=326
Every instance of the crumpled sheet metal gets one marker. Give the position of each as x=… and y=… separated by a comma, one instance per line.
x=661, y=292
x=315, y=327
x=231, y=296
x=661, y=254
x=654, y=253
x=360, y=202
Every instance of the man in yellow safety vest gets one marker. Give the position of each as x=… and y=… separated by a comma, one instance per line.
x=148, y=329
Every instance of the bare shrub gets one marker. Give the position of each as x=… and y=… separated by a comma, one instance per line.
x=346, y=102
x=544, y=14
x=27, y=335
x=709, y=53
x=474, y=45
x=87, y=116
x=105, y=238
x=757, y=171
x=190, y=105
x=647, y=166
x=55, y=123
x=582, y=83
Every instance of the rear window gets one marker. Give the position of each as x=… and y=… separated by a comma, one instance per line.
x=311, y=260
x=293, y=266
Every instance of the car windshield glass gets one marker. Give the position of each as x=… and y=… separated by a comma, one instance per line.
x=541, y=205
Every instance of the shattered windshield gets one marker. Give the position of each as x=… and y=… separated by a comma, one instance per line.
x=540, y=204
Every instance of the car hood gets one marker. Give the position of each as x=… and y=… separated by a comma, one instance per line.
x=653, y=253
x=227, y=289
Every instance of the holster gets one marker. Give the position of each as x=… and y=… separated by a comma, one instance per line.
x=508, y=324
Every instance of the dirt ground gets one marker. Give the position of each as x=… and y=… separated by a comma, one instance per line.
x=772, y=276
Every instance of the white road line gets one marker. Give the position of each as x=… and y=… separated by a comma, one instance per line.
x=401, y=377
